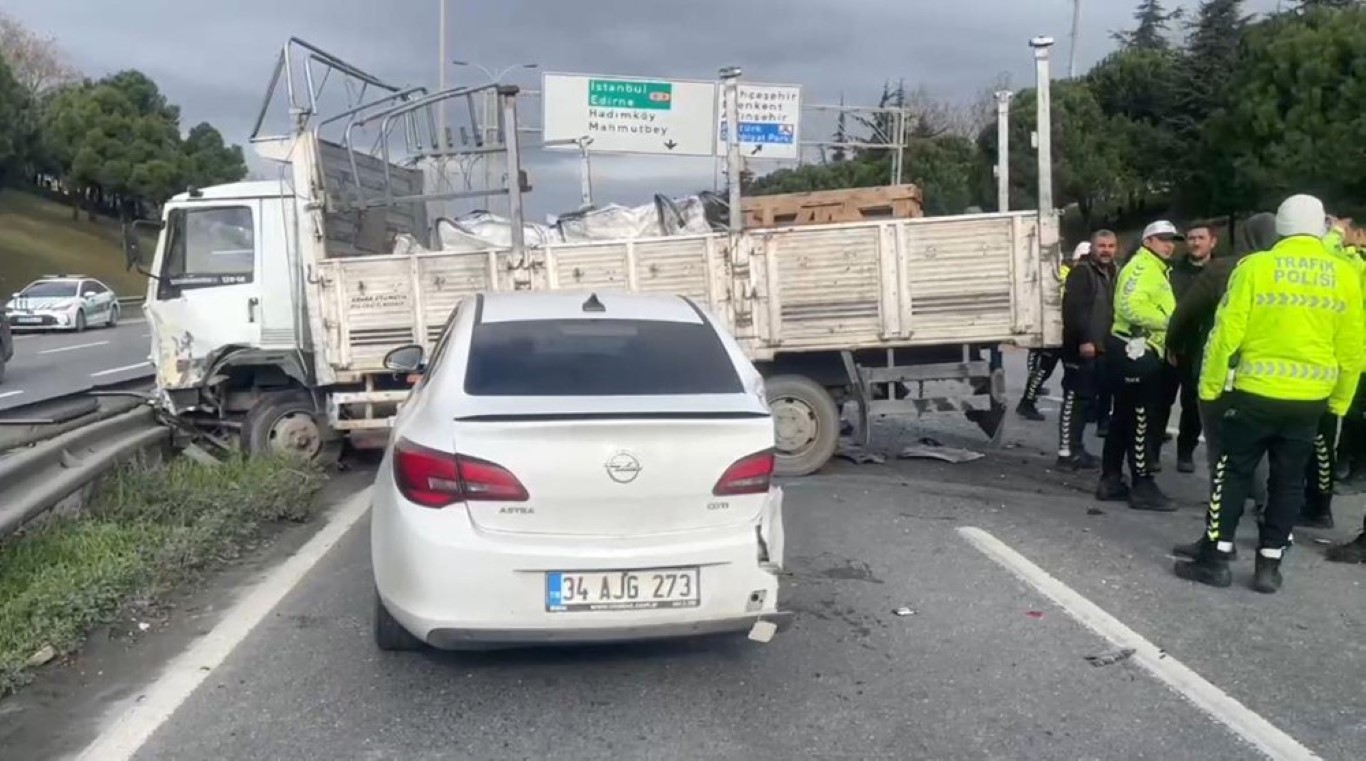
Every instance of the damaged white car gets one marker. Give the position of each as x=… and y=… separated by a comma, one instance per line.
x=577, y=467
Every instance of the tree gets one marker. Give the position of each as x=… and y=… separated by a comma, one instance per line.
x=1136, y=90
x=35, y=62
x=1296, y=120
x=14, y=120
x=1088, y=153
x=1154, y=23
x=208, y=161
x=117, y=142
x=1202, y=91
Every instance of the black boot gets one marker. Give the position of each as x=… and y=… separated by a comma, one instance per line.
x=1112, y=488
x=1351, y=552
x=1209, y=567
x=1267, y=579
x=1193, y=550
x=1082, y=460
x=1146, y=496
x=1185, y=462
x=1103, y=427
x=1029, y=411
x=1317, y=513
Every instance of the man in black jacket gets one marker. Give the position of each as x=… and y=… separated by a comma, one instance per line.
x=1087, y=313
x=1179, y=377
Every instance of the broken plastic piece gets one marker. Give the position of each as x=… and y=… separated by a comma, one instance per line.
x=903, y=612
x=763, y=631
x=858, y=455
x=1035, y=614
x=947, y=454
x=1110, y=657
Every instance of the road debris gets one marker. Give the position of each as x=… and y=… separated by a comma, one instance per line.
x=1110, y=657
x=1094, y=511
x=903, y=612
x=858, y=455
x=47, y=653
x=929, y=449
x=1035, y=614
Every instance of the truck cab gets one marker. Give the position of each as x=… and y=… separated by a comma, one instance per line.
x=223, y=305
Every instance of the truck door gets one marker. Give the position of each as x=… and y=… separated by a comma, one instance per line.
x=207, y=291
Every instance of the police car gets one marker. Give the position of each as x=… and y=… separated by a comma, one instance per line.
x=63, y=302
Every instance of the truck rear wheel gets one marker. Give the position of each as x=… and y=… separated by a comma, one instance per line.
x=287, y=423
x=806, y=424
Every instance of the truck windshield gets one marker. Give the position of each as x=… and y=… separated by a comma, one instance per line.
x=598, y=358
x=62, y=289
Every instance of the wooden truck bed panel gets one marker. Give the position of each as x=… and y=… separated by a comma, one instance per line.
x=934, y=281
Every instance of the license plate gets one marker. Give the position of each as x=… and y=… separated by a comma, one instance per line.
x=649, y=589
x=28, y=321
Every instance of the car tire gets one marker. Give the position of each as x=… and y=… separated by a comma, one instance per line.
x=2, y=366
x=389, y=633
x=80, y=321
x=113, y=316
x=287, y=422
x=807, y=421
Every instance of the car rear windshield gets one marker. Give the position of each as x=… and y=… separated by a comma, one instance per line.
x=598, y=358
x=55, y=290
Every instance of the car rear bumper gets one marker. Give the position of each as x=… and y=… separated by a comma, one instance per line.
x=464, y=639
x=454, y=586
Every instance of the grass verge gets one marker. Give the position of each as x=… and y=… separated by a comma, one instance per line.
x=38, y=236
x=145, y=530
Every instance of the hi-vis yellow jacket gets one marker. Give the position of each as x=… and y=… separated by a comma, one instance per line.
x=1335, y=244
x=1294, y=317
x=1063, y=271
x=1144, y=301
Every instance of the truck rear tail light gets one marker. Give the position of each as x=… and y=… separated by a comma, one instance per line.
x=749, y=475
x=432, y=478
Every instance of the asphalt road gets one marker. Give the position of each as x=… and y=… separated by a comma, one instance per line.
x=983, y=666
x=47, y=365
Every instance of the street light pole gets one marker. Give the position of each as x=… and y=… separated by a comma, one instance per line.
x=730, y=79
x=1076, y=31
x=441, y=142
x=1003, y=150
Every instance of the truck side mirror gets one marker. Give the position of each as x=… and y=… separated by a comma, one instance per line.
x=405, y=359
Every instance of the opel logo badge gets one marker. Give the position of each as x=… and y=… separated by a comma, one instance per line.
x=623, y=467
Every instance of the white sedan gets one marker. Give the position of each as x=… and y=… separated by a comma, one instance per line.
x=573, y=468
x=63, y=302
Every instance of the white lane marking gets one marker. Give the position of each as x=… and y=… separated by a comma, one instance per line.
x=155, y=705
x=120, y=369
x=4, y=394
x=1240, y=719
x=73, y=348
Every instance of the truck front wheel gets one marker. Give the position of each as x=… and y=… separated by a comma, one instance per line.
x=806, y=424
x=288, y=423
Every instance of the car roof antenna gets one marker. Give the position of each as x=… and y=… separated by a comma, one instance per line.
x=593, y=305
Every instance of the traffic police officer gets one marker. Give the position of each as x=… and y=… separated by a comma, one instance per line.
x=1293, y=316
x=1319, y=480
x=1042, y=362
x=1135, y=353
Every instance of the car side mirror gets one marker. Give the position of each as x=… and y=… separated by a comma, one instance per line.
x=405, y=359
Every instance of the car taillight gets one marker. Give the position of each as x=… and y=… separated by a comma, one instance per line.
x=432, y=478
x=749, y=475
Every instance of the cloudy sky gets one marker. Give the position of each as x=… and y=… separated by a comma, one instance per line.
x=213, y=57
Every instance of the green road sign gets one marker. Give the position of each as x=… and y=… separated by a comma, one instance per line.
x=616, y=93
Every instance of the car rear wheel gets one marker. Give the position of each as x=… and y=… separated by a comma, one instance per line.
x=806, y=424
x=389, y=633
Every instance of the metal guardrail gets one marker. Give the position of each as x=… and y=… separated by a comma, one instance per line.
x=34, y=480
x=31, y=423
